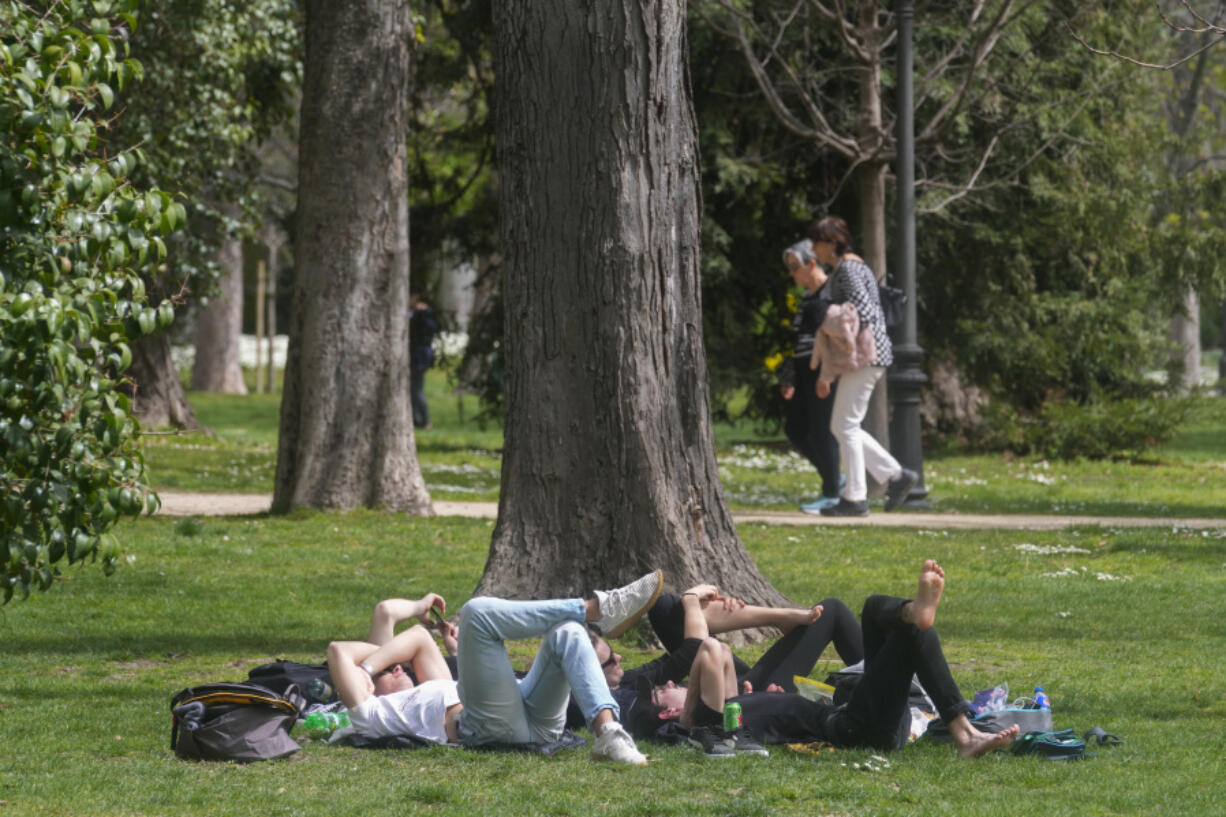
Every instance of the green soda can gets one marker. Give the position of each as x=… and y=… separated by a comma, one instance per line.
x=732, y=717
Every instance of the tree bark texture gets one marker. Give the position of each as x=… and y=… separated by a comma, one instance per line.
x=158, y=397
x=219, y=329
x=608, y=463
x=346, y=436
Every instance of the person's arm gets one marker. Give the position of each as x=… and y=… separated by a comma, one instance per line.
x=693, y=602
x=391, y=612
x=353, y=665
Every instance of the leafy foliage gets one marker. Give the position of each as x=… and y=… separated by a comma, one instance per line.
x=73, y=234
x=222, y=76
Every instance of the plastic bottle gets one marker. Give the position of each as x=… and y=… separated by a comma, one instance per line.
x=323, y=724
x=1041, y=701
x=319, y=690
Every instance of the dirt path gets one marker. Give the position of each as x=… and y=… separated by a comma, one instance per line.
x=189, y=504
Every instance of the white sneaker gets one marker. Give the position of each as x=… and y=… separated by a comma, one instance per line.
x=622, y=607
x=615, y=744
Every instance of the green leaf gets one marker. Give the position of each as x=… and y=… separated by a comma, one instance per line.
x=108, y=96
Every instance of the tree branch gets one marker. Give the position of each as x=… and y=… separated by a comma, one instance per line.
x=1125, y=58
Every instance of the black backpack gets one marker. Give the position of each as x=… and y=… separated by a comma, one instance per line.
x=281, y=674
x=240, y=722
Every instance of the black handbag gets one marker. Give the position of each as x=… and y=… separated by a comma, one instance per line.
x=893, y=300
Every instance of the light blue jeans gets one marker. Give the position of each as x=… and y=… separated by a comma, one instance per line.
x=498, y=707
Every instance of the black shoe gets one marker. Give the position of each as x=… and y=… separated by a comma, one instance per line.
x=899, y=488
x=847, y=508
x=712, y=742
x=744, y=744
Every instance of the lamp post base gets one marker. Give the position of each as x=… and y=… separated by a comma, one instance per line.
x=906, y=380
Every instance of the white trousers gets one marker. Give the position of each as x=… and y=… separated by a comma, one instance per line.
x=859, y=449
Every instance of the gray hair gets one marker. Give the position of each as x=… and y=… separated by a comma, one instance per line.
x=803, y=250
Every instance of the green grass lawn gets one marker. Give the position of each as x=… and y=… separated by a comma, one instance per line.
x=461, y=460
x=1123, y=628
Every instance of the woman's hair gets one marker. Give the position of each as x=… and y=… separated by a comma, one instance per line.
x=832, y=228
x=803, y=250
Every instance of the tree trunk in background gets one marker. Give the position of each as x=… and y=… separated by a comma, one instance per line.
x=219, y=329
x=608, y=462
x=159, y=400
x=1185, y=332
x=871, y=176
x=346, y=436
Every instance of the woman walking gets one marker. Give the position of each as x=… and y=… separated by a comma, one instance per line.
x=853, y=282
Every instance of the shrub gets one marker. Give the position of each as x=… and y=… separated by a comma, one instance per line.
x=73, y=234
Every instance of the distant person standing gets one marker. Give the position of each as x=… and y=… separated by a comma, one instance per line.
x=807, y=422
x=422, y=328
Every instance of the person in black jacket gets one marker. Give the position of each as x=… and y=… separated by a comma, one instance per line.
x=899, y=642
x=423, y=326
x=807, y=416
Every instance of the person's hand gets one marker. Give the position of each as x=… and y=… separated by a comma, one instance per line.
x=823, y=389
x=731, y=603
x=427, y=601
x=451, y=637
x=746, y=688
x=775, y=688
x=787, y=391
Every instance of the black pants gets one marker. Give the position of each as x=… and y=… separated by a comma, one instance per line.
x=894, y=651
x=796, y=653
x=807, y=426
x=417, y=397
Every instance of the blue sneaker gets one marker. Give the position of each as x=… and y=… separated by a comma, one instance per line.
x=815, y=507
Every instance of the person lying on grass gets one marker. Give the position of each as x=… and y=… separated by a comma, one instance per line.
x=685, y=624
x=899, y=642
x=489, y=704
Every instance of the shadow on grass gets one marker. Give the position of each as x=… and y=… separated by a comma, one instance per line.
x=170, y=646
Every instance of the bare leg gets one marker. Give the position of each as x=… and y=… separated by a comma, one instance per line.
x=973, y=743
x=720, y=619
x=709, y=676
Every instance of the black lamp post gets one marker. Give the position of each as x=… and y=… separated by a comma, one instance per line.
x=906, y=378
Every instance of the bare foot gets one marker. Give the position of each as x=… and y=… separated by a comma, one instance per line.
x=815, y=612
x=974, y=743
x=923, y=608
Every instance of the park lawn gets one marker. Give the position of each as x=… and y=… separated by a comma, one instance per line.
x=1123, y=628
x=461, y=460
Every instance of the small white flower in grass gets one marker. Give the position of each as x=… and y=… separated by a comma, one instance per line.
x=1107, y=577
x=793, y=539
x=225, y=538
x=1048, y=550
x=1065, y=613
x=130, y=558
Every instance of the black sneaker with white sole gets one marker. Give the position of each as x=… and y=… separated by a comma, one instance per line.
x=712, y=742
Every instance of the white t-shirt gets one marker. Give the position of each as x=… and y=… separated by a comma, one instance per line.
x=419, y=711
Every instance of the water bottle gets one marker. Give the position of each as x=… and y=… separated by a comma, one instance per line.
x=321, y=725
x=1041, y=700
x=319, y=690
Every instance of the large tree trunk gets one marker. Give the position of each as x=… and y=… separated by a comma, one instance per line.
x=219, y=329
x=608, y=465
x=158, y=397
x=346, y=425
